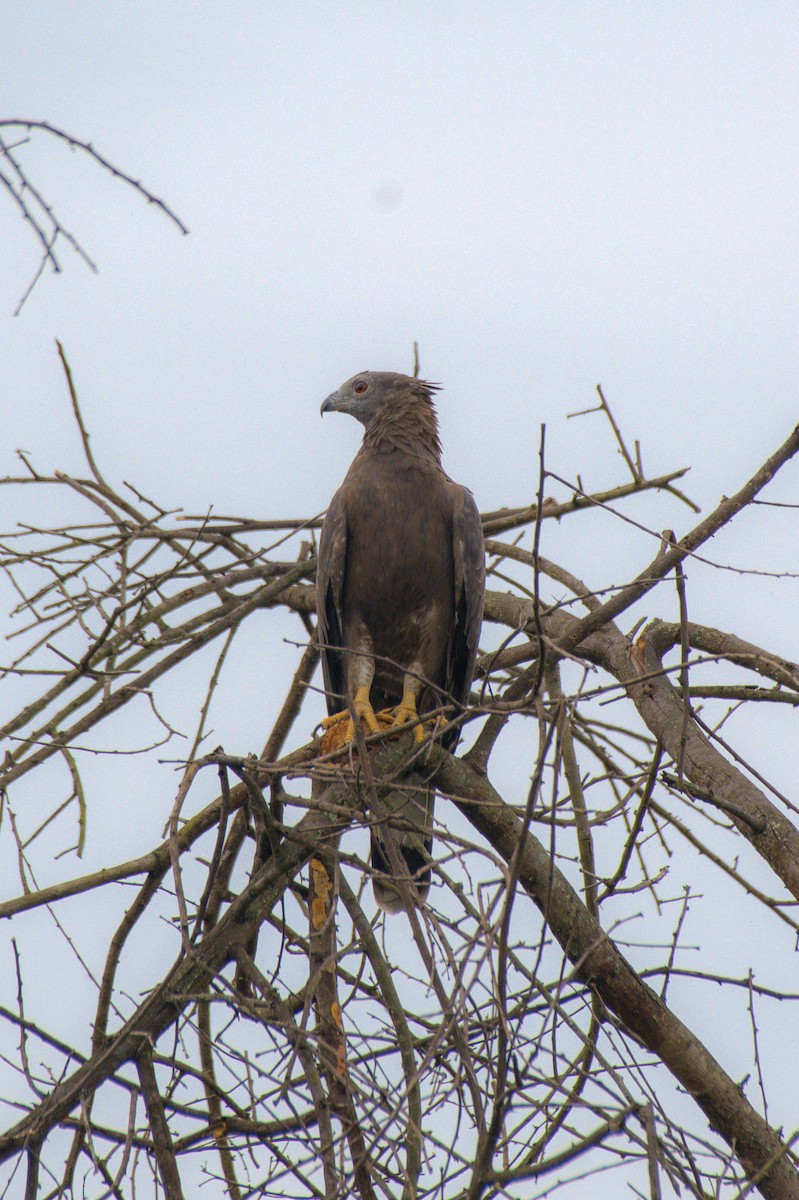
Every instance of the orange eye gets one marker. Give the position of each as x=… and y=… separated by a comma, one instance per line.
x=361, y=386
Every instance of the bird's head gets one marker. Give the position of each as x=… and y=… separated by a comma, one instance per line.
x=371, y=393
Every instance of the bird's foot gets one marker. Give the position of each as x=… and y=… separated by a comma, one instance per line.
x=405, y=712
x=363, y=712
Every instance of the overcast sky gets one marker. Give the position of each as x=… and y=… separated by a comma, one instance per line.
x=546, y=196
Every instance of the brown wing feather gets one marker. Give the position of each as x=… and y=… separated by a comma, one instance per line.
x=330, y=569
x=468, y=555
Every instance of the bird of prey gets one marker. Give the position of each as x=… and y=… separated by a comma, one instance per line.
x=400, y=583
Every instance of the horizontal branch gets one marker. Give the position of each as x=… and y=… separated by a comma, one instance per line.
x=262, y=597
x=504, y=519
x=157, y=860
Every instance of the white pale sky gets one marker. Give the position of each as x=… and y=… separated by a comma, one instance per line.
x=545, y=196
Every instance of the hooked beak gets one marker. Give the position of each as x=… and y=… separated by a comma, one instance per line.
x=331, y=403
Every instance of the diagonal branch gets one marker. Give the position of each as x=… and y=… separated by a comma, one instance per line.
x=666, y=562
x=601, y=966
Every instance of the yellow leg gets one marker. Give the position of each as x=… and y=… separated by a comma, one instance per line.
x=363, y=710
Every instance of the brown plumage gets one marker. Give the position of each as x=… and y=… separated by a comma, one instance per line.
x=400, y=585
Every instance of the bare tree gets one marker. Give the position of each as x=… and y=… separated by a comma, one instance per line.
x=255, y=1020
x=36, y=210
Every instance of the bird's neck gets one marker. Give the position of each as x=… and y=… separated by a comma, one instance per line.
x=410, y=426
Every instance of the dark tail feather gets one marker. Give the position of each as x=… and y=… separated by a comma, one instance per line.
x=413, y=834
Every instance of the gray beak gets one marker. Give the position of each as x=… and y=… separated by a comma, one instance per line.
x=331, y=404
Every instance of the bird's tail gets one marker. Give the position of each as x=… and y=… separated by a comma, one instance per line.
x=410, y=824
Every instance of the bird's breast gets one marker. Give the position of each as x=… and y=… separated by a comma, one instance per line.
x=399, y=578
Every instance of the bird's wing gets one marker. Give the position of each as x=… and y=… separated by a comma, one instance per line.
x=468, y=554
x=329, y=592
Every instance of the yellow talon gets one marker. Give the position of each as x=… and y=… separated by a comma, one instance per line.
x=405, y=712
x=339, y=728
x=329, y=722
x=363, y=711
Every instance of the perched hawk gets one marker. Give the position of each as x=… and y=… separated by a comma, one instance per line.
x=400, y=585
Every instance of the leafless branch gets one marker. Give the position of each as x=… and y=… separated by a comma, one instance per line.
x=285, y=1038
x=37, y=212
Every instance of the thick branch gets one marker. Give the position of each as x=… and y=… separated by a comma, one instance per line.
x=192, y=973
x=189, y=976
x=162, y=1139
x=774, y=837
x=599, y=963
